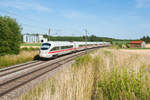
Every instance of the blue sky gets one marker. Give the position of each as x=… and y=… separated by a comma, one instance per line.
x=125, y=19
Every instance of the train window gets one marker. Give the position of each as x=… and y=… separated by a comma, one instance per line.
x=82, y=45
x=66, y=47
x=71, y=46
x=45, y=46
x=55, y=48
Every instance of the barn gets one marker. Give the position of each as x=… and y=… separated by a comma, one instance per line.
x=137, y=44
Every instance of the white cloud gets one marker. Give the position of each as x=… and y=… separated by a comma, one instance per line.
x=24, y=5
x=77, y=15
x=142, y=3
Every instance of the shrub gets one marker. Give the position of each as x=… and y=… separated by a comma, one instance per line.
x=10, y=36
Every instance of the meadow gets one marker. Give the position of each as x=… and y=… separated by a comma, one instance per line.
x=105, y=74
x=26, y=54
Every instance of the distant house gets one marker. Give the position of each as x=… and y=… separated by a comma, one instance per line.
x=34, y=38
x=137, y=44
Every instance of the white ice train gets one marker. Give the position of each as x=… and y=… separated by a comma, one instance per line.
x=53, y=49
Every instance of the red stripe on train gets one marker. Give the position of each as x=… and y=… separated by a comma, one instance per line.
x=65, y=50
x=62, y=50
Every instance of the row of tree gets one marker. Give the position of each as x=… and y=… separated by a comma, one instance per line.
x=78, y=38
x=146, y=39
x=10, y=36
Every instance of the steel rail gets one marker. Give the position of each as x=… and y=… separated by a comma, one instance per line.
x=20, y=67
x=15, y=68
x=38, y=69
x=12, y=84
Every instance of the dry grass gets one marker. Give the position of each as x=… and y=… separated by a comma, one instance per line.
x=147, y=45
x=73, y=83
x=106, y=74
x=122, y=75
x=24, y=56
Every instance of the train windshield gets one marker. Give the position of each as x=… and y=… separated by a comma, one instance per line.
x=45, y=46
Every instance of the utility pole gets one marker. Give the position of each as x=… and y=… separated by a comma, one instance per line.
x=49, y=32
x=86, y=34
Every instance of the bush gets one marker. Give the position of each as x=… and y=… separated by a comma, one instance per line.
x=10, y=36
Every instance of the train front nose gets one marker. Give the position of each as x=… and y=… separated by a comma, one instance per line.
x=44, y=54
x=44, y=50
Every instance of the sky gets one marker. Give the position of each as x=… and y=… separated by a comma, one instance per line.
x=122, y=19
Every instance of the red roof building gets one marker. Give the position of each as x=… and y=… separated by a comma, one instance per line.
x=137, y=44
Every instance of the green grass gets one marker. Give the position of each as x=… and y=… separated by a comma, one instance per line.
x=31, y=44
x=117, y=85
x=29, y=49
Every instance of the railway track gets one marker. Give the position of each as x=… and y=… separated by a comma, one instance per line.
x=14, y=77
x=18, y=68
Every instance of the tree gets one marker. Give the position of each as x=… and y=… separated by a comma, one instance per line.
x=10, y=36
x=146, y=39
x=93, y=38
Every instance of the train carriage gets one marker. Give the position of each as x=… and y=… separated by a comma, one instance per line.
x=53, y=49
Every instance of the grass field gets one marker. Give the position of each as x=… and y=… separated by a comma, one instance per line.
x=31, y=44
x=106, y=74
x=23, y=56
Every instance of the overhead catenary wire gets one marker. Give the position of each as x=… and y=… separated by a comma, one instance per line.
x=45, y=29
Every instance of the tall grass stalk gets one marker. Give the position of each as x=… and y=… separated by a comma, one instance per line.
x=106, y=74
